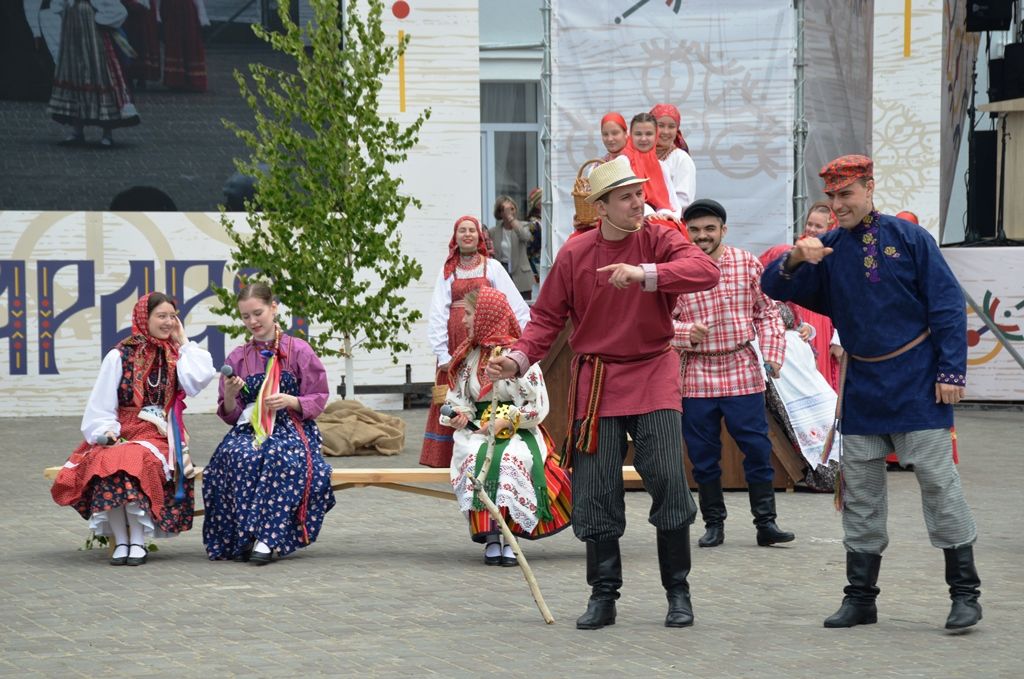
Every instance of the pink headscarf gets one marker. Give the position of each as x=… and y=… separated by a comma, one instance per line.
x=661, y=110
x=616, y=118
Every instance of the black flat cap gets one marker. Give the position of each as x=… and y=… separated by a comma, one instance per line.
x=702, y=207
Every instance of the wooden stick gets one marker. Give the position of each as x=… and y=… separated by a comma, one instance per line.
x=478, y=488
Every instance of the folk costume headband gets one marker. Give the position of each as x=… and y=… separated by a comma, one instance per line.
x=453, y=245
x=616, y=118
x=662, y=110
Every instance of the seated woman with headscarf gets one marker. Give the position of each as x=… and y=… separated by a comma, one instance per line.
x=640, y=149
x=131, y=477
x=524, y=479
x=823, y=338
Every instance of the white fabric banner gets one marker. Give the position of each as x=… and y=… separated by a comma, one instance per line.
x=726, y=64
x=994, y=278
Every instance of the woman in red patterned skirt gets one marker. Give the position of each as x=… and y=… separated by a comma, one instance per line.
x=129, y=477
x=184, y=53
x=467, y=268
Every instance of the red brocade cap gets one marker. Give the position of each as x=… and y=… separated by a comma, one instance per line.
x=845, y=170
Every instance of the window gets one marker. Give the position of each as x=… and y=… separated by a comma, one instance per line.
x=510, y=152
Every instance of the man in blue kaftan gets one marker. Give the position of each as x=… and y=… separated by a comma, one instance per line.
x=901, y=316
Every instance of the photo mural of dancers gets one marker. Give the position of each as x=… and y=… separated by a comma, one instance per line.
x=89, y=87
x=267, y=487
x=126, y=478
x=184, y=53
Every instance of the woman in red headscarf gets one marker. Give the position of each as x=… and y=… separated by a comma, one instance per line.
x=129, y=478
x=674, y=155
x=524, y=480
x=614, y=135
x=643, y=132
x=467, y=268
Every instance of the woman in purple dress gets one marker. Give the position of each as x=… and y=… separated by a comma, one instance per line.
x=267, y=487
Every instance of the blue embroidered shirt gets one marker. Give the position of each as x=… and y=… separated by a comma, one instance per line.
x=884, y=284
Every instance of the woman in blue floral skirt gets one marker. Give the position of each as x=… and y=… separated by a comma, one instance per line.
x=267, y=487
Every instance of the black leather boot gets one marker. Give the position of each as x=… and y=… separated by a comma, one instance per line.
x=712, y=509
x=762, y=506
x=604, y=575
x=962, y=578
x=859, y=603
x=674, y=561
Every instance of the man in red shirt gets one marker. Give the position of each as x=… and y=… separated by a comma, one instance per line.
x=618, y=284
x=723, y=377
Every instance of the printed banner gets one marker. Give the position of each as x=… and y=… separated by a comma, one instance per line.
x=994, y=278
x=728, y=67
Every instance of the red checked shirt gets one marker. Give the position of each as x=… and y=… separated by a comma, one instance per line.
x=736, y=312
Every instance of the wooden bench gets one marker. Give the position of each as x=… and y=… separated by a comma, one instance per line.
x=399, y=479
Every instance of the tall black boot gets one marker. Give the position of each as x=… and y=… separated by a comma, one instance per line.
x=962, y=578
x=604, y=575
x=674, y=561
x=712, y=509
x=859, y=603
x=762, y=506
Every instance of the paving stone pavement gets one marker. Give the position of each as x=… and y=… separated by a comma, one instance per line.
x=393, y=587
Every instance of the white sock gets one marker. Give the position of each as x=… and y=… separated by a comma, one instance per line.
x=136, y=532
x=507, y=552
x=261, y=547
x=492, y=549
x=119, y=527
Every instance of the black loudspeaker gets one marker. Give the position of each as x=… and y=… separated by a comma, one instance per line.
x=996, y=79
x=989, y=15
x=1013, y=70
x=981, y=186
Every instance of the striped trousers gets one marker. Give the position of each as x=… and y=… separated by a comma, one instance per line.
x=599, y=507
x=865, y=501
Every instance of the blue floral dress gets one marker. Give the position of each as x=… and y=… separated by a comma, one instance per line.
x=255, y=494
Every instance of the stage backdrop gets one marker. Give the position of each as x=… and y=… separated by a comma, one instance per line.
x=727, y=65
x=68, y=279
x=994, y=277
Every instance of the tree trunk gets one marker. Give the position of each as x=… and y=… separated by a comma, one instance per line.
x=350, y=370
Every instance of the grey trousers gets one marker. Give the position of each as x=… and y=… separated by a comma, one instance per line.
x=599, y=508
x=946, y=514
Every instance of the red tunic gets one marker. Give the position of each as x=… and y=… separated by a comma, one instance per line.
x=620, y=325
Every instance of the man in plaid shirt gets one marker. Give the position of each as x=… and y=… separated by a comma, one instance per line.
x=723, y=377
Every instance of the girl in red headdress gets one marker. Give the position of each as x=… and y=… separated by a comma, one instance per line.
x=643, y=132
x=614, y=135
x=674, y=155
x=138, y=486
x=467, y=268
x=524, y=479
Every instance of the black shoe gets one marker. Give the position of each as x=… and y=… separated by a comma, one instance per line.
x=964, y=588
x=260, y=558
x=600, y=613
x=858, y=607
x=492, y=560
x=604, y=575
x=120, y=560
x=712, y=509
x=762, y=506
x=136, y=560
x=509, y=560
x=246, y=552
x=674, y=563
x=714, y=535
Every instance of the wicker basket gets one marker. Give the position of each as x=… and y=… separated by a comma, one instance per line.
x=439, y=393
x=586, y=213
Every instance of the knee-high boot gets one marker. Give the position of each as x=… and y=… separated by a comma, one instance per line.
x=964, y=583
x=858, y=606
x=604, y=575
x=674, y=561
